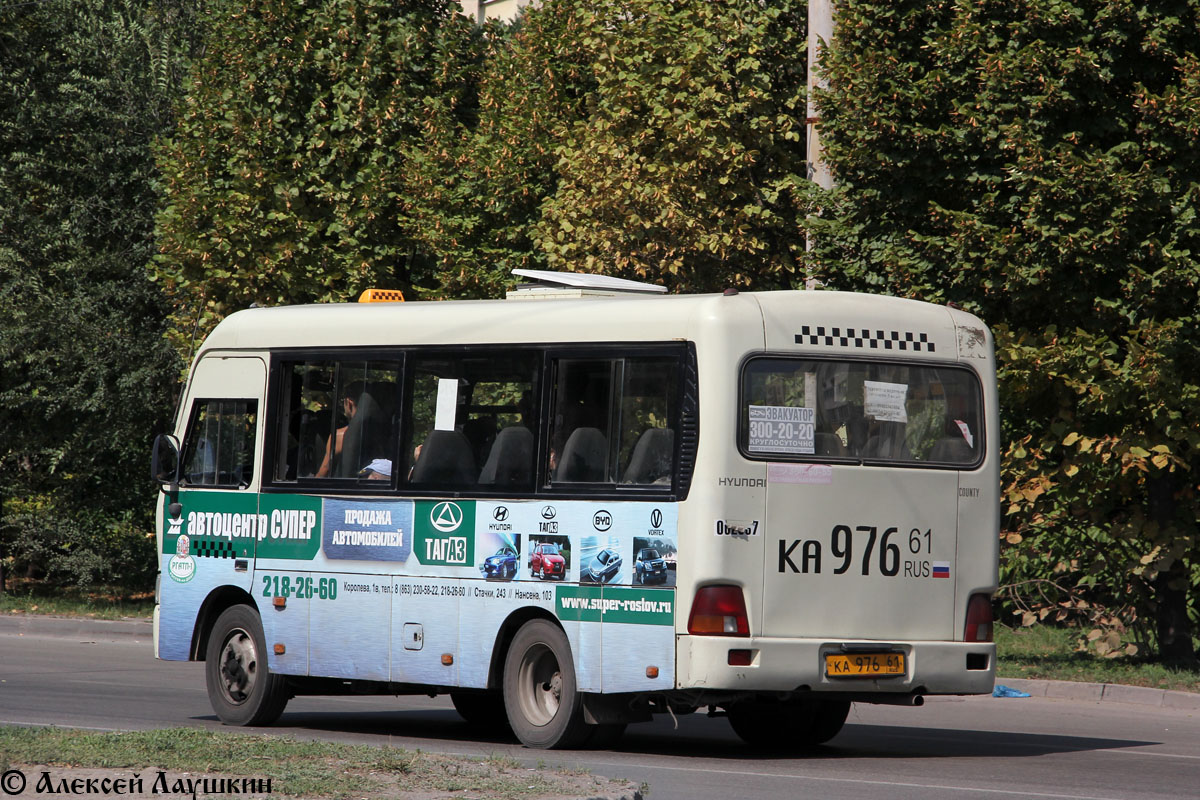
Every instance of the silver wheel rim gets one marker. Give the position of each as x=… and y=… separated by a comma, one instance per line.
x=539, y=685
x=238, y=666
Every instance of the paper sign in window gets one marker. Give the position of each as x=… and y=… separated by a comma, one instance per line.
x=810, y=388
x=782, y=429
x=447, y=404
x=885, y=401
x=966, y=432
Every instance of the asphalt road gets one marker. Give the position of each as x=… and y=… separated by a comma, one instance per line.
x=951, y=748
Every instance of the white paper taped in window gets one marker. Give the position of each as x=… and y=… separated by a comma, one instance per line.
x=447, y=404
x=885, y=402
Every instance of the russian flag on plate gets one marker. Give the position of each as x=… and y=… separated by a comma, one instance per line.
x=941, y=569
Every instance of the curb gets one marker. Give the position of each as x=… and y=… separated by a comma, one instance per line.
x=1106, y=693
x=137, y=630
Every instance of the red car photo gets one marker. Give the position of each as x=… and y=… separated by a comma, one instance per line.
x=547, y=562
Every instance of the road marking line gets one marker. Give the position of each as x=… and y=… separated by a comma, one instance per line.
x=1143, y=753
x=949, y=787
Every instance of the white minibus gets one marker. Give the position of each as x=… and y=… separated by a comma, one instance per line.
x=586, y=504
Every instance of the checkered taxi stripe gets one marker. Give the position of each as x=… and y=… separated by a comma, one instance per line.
x=213, y=548
x=867, y=338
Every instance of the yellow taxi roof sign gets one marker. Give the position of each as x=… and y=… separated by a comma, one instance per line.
x=381, y=296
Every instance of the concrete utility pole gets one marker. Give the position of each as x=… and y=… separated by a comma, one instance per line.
x=820, y=34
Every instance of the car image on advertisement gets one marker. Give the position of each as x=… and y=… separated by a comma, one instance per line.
x=605, y=566
x=547, y=561
x=649, y=566
x=502, y=565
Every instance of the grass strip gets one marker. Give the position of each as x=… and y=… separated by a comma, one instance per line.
x=296, y=768
x=1048, y=653
x=98, y=602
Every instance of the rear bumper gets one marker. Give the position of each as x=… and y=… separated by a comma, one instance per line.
x=786, y=665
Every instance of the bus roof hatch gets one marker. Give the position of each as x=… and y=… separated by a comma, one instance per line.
x=545, y=284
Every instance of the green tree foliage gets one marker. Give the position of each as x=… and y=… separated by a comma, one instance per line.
x=687, y=163
x=84, y=87
x=1036, y=161
x=651, y=139
x=308, y=131
x=538, y=79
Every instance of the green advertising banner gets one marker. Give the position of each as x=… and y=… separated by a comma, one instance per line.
x=224, y=524
x=218, y=524
x=292, y=526
x=444, y=532
x=616, y=604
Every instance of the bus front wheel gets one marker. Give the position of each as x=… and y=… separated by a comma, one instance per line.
x=241, y=688
x=796, y=724
x=545, y=709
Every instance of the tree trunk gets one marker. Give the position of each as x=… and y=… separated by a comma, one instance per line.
x=1174, y=631
x=1175, y=646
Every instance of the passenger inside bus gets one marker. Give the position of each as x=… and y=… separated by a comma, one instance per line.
x=378, y=470
x=360, y=440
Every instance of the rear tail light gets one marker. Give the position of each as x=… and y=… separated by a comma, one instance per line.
x=979, y=619
x=719, y=611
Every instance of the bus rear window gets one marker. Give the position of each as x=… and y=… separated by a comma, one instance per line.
x=864, y=412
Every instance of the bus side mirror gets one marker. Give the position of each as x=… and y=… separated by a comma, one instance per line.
x=164, y=462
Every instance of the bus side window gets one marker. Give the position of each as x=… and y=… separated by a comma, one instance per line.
x=581, y=429
x=472, y=421
x=612, y=421
x=647, y=445
x=337, y=419
x=218, y=449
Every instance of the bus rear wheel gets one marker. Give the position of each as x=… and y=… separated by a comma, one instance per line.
x=241, y=689
x=791, y=725
x=545, y=709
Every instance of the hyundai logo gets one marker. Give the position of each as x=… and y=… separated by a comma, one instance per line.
x=500, y=514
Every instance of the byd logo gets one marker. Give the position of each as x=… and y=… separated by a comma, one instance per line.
x=602, y=520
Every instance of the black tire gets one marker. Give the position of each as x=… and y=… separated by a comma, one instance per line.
x=788, y=726
x=241, y=689
x=544, y=707
x=481, y=709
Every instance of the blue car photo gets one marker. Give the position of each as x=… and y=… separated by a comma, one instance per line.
x=649, y=566
x=501, y=566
